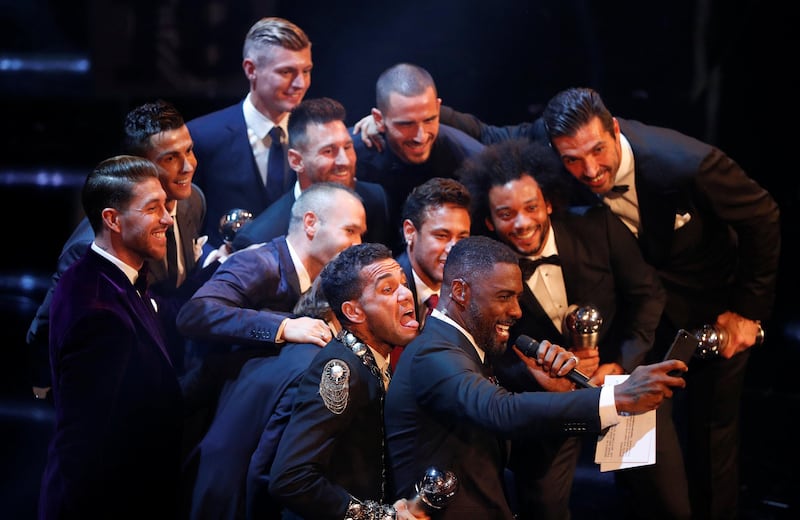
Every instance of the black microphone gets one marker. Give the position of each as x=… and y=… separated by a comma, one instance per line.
x=528, y=346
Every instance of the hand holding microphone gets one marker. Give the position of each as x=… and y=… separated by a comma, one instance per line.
x=529, y=347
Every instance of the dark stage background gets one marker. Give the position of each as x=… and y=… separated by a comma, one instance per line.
x=70, y=70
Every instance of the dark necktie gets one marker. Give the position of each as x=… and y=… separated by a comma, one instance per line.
x=488, y=371
x=141, y=281
x=172, y=257
x=529, y=266
x=620, y=188
x=275, y=165
x=431, y=302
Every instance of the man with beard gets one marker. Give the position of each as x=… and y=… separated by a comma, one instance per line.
x=331, y=461
x=444, y=409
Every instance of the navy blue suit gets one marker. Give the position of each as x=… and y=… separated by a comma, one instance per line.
x=399, y=178
x=324, y=457
x=441, y=410
x=227, y=171
x=115, y=451
x=252, y=413
x=274, y=220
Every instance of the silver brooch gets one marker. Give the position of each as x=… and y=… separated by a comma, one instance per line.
x=334, y=386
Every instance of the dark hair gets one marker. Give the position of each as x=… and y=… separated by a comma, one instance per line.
x=145, y=121
x=111, y=185
x=404, y=78
x=573, y=108
x=434, y=193
x=313, y=303
x=474, y=256
x=341, y=277
x=317, y=111
x=506, y=161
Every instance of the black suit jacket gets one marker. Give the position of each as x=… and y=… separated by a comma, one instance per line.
x=441, y=410
x=601, y=265
x=274, y=221
x=324, y=457
x=226, y=169
x=726, y=256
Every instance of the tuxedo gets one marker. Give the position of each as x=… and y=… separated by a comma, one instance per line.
x=601, y=265
x=274, y=220
x=118, y=406
x=227, y=171
x=442, y=410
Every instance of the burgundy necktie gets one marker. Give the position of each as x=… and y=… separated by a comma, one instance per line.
x=431, y=302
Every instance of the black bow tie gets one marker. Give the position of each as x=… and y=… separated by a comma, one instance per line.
x=620, y=188
x=528, y=266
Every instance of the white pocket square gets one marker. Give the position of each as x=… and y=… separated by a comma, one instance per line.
x=682, y=220
x=199, y=242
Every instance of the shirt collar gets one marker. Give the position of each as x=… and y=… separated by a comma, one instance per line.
x=423, y=291
x=257, y=122
x=625, y=171
x=129, y=271
x=444, y=317
x=302, y=274
x=550, y=247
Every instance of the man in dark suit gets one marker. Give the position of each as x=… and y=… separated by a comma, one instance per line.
x=331, y=462
x=320, y=150
x=116, y=446
x=417, y=147
x=155, y=131
x=435, y=216
x=248, y=301
x=712, y=233
x=249, y=422
x=519, y=193
x=442, y=409
x=241, y=148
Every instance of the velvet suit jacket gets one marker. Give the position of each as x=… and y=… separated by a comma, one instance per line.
x=601, y=265
x=274, y=221
x=245, y=300
x=252, y=413
x=116, y=446
x=325, y=457
x=190, y=214
x=227, y=171
x=441, y=410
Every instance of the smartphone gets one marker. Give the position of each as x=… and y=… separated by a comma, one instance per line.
x=683, y=347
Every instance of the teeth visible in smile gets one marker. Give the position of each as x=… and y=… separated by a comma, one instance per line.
x=503, y=328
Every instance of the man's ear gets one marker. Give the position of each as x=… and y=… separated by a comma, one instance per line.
x=353, y=312
x=111, y=219
x=459, y=292
x=310, y=222
x=249, y=68
x=379, y=122
x=295, y=160
x=409, y=231
x=489, y=224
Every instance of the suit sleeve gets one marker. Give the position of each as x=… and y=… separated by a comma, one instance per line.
x=754, y=215
x=297, y=477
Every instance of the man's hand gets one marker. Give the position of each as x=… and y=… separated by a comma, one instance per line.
x=599, y=376
x=742, y=333
x=370, y=134
x=307, y=330
x=550, y=366
x=411, y=509
x=588, y=360
x=648, y=386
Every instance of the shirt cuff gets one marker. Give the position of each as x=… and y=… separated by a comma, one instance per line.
x=608, y=408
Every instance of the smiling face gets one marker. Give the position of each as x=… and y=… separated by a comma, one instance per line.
x=384, y=313
x=410, y=124
x=519, y=215
x=279, y=79
x=143, y=225
x=592, y=155
x=173, y=152
x=428, y=246
x=491, y=303
x=328, y=156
